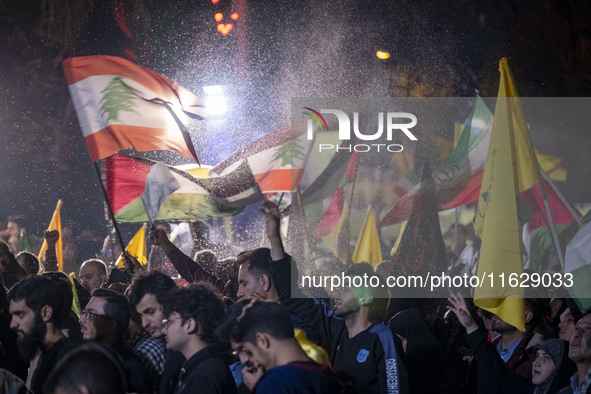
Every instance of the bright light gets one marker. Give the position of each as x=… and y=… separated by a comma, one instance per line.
x=215, y=101
x=213, y=90
x=383, y=55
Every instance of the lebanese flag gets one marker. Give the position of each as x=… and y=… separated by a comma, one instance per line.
x=277, y=159
x=121, y=105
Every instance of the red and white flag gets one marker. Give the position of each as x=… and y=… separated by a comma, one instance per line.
x=277, y=159
x=121, y=105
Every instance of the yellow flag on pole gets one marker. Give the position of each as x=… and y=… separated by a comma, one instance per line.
x=367, y=248
x=136, y=247
x=55, y=224
x=511, y=168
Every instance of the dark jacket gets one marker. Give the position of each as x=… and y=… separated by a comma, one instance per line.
x=301, y=377
x=494, y=375
x=522, y=358
x=48, y=361
x=172, y=367
x=207, y=372
x=138, y=378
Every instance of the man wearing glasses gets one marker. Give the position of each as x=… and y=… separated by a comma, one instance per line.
x=192, y=315
x=105, y=321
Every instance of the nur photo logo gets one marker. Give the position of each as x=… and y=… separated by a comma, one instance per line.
x=395, y=123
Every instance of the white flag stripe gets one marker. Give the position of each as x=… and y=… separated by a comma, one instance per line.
x=143, y=113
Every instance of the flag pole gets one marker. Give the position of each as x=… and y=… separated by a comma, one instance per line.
x=552, y=225
x=115, y=226
x=573, y=211
x=303, y=213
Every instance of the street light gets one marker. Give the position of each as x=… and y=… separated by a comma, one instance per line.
x=215, y=101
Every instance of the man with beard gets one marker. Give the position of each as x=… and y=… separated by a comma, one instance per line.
x=36, y=306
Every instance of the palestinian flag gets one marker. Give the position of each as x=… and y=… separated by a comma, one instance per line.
x=199, y=196
x=537, y=238
x=577, y=262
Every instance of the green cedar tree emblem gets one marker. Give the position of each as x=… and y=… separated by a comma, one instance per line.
x=116, y=97
x=288, y=151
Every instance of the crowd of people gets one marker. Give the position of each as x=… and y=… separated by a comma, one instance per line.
x=244, y=325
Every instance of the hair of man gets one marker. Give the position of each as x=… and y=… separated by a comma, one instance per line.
x=261, y=317
x=458, y=226
x=90, y=365
x=68, y=296
x=259, y=261
x=153, y=282
x=38, y=291
x=30, y=262
x=116, y=308
x=200, y=302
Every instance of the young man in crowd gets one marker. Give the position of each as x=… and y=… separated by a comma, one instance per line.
x=147, y=294
x=262, y=336
x=192, y=315
x=105, y=320
x=36, y=306
x=363, y=350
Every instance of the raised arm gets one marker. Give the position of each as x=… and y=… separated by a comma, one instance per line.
x=51, y=236
x=8, y=262
x=285, y=275
x=187, y=268
x=272, y=228
x=495, y=373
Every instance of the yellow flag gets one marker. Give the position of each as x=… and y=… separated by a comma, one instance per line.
x=554, y=166
x=367, y=248
x=75, y=300
x=511, y=168
x=136, y=247
x=55, y=224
